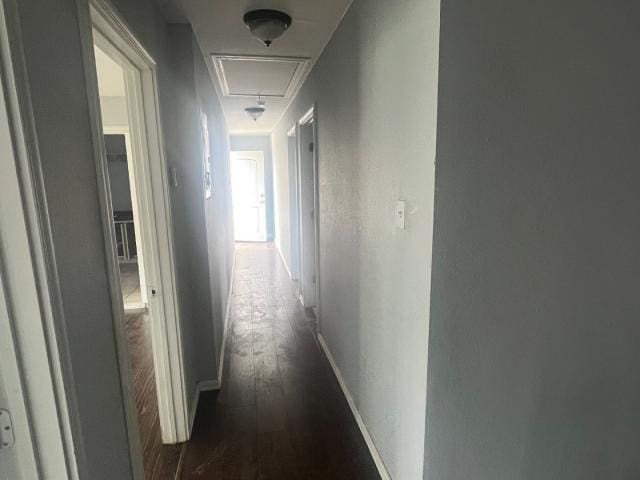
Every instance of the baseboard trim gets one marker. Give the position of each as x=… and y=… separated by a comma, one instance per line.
x=382, y=470
x=203, y=386
x=227, y=314
x=286, y=267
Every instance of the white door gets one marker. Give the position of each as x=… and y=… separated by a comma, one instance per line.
x=247, y=183
x=307, y=213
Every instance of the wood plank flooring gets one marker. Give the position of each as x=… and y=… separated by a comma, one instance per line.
x=160, y=461
x=280, y=413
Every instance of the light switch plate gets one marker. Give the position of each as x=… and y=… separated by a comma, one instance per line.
x=400, y=214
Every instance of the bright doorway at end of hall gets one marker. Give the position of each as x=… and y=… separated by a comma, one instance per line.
x=248, y=189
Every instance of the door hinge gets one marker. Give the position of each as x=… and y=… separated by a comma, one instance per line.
x=311, y=147
x=313, y=279
x=7, y=439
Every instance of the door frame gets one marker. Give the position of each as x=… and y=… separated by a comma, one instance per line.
x=101, y=24
x=263, y=219
x=294, y=199
x=310, y=118
x=34, y=350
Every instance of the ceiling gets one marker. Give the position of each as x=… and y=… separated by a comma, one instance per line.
x=110, y=75
x=221, y=33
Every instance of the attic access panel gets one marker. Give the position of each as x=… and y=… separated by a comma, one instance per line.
x=250, y=76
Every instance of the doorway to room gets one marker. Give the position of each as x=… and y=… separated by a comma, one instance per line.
x=248, y=192
x=307, y=173
x=136, y=220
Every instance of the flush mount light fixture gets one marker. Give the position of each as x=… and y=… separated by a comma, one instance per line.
x=267, y=25
x=257, y=111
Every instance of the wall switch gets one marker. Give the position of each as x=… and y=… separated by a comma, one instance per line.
x=400, y=214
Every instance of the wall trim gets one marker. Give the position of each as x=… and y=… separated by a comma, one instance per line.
x=226, y=320
x=286, y=267
x=382, y=470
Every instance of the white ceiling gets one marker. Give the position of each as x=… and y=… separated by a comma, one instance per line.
x=110, y=75
x=219, y=29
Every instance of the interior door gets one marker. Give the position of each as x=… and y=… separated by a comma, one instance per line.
x=307, y=215
x=247, y=181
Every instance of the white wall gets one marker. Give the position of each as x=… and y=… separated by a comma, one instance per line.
x=56, y=85
x=534, y=359
x=114, y=111
x=375, y=88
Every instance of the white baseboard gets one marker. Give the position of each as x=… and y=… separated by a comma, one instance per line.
x=382, y=470
x=204, y=386
x=226, y=321
x=286, y=267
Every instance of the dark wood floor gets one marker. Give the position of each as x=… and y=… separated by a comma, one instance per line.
x=160, y=461
x=280, y=413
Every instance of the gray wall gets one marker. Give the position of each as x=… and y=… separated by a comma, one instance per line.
x=118, y=172
x=534, y=359
x=56, y=86
x=375, y=86
x=218, y=209
x=260, y=143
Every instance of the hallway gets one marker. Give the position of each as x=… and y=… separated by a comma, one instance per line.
x=280, y=413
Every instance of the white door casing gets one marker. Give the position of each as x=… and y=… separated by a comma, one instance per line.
x=248, y=189
x=36, y=392
x=307, y=210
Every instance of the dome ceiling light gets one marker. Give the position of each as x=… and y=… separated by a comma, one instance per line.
x=267, y=25
x=257, y=111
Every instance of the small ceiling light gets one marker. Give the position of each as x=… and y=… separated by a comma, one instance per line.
x=257, y=111
x=267, y=25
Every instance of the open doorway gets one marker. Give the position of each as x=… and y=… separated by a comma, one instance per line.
x=136, y=220
x=308, y=211
x=248, y=191
x=125, y=212
x=294, y=221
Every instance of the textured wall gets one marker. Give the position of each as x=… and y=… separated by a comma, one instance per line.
x=260, y=143
x=375, y=88
x=534, y=365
